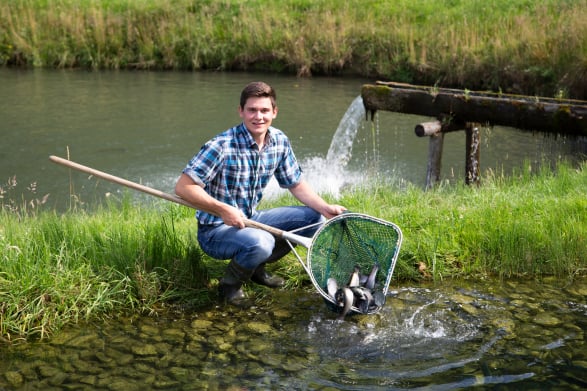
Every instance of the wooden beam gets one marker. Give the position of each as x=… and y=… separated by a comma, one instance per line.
x=562, y=116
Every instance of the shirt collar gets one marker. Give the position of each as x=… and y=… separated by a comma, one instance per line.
x=248, y=139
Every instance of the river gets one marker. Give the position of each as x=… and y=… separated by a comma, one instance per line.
x=145, y=126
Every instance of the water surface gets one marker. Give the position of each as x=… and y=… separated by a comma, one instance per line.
x=507, y=335
x=145, y=126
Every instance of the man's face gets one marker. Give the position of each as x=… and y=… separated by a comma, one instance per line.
x=258, y=114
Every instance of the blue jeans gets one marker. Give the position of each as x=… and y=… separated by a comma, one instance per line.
x=250, y=247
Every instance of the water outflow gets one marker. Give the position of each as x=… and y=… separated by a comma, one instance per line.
x=330, y=175
x=341, y=147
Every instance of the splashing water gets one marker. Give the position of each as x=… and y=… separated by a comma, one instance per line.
x=341, y=148
x=330, y=175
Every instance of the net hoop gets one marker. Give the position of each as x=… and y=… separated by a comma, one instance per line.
x=325, y=231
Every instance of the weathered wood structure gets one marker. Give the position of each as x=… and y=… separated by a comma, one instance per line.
x=469, y=110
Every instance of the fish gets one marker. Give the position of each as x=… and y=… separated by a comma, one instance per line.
x=331, y=287
x=363, y=298
x=370, y=282
x=359, y=292
x=378, y=299
x=355, y=279
x=345, y=299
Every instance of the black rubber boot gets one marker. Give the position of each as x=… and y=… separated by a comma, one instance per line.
x=260, y=276
x=230, y=286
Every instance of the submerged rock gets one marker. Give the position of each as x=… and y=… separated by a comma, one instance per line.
x=14, y=378
x=546, y=319
x=259, y=327
x=144, y=350
x=201, y=324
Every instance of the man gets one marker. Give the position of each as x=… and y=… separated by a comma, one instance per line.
x=225, y=181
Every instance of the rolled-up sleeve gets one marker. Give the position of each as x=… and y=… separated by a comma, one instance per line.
x=202, y=167
x=289, y=172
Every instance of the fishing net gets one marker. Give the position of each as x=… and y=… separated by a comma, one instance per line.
x=349, y=240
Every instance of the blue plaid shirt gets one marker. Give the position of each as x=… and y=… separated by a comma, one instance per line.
x=232, y=170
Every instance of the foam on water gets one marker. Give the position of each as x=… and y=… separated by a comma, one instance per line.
x=330, y=174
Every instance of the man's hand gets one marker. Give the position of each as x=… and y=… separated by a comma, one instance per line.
x=331, y=210
x=232, y=217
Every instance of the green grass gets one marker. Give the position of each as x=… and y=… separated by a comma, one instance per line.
x=530, y=224
x=521, y=46
x=131, y=258
x=56, y=269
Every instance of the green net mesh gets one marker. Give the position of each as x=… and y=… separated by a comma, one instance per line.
x=354, y=239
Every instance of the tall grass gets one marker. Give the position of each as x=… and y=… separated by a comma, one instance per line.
x=57, y=269
x=530, y=224
x=523, y=46
x=130, y=258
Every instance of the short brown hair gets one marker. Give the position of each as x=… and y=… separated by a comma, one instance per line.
x=258, y=89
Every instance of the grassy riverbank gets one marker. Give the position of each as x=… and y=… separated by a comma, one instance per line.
x=57, y=269
x=522, y=46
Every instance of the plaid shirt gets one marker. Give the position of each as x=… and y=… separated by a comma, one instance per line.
x=232, y=170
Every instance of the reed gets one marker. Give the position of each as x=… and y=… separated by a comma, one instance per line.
x=520, y=46
x=127, y=257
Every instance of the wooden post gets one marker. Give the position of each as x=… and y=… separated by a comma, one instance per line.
x=472, y=153
x=434, y=159
x=435, y=130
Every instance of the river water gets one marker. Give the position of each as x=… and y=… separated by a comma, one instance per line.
x=506, y=335
x=145, y=126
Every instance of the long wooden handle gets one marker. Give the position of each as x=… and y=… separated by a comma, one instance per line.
x=298, y=239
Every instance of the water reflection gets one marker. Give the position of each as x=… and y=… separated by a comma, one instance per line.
x=515, y=334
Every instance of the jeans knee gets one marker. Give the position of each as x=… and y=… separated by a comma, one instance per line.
x=254, y=254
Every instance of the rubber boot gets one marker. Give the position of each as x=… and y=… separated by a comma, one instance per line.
x=230, y=285
x=261, y=277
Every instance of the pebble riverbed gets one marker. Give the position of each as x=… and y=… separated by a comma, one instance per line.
x=519, y=334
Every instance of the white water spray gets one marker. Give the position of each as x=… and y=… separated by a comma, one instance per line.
x=330, y=175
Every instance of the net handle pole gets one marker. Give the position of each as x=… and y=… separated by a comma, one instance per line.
x=298, y=239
